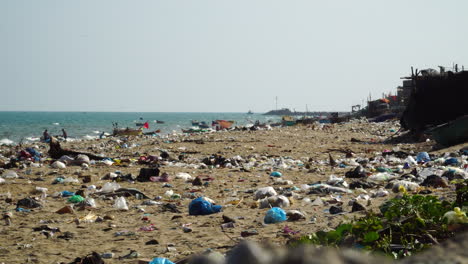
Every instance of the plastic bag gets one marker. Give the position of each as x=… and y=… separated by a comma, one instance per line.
x=121, y=204
x=161, y=261
x=275, y=215
x=9, y=174
x=200, y=206
x=274, y=201
x=264, y=192
x=110, y=187
x=58, y=165
x=75, y=199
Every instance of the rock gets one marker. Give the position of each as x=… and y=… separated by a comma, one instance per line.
x=227, y=219
x=435, y=182
x=66, y=210
x=357, y=207
x=358, y=172
x=28, y=203
x=335, y=210
x=197, y=181
x=249, y=232
x=295, y=215
x=152, y=242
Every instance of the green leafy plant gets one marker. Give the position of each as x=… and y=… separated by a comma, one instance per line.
x=407, y=224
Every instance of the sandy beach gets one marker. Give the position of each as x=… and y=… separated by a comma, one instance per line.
x=301, y=154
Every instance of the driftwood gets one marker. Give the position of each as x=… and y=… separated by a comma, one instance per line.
x=56, y=151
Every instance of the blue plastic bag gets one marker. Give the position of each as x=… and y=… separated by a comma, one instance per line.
x=161, y=261
x=423, y=157
x=276, y=174
x=451, y=161
x=275, y=215
x=200, y=206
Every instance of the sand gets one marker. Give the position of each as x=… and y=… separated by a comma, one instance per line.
x=20, y=244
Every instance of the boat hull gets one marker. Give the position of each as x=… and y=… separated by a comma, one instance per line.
x=451, y=133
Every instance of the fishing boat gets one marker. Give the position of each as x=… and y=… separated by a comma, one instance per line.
x=127, y=132
x=451, y=133
x=288, y=121
x=250, y=112
x=223, y=124
x=159, y=122
x=203, y=124
x=194, y=130
x=195, y=122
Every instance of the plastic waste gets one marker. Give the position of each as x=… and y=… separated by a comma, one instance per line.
x=201, y=206
x=423, y=157
x=274, y=201
x=121, y=204
x=160, y=261
x=411, y=161
x=264, y=192
x=184, y=176
x=75, y=199
x=456, y=216
x=67, y=194
x=58, y=165
x=381, y=177
x=410, y=186
x=70, y=180
x=9, y=174
x=110, y=187
x=275, y=215
x=2, y=181
x=451, y=161
x=326, y=188
x=276, y=174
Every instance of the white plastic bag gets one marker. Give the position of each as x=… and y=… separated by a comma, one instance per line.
x=264, y=192
x=121, y=204
x=110, y=187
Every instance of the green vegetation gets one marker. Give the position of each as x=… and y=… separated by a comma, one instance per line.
x=405, y=225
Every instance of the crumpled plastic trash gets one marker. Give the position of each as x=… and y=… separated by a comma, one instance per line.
x=160, y=261
x=9, y=174
x=276, y=174
x=457, y=216
x=58, y=165
x=275, y=215
x=381, y=177
x=76, y=199
x=423, y=157
x=184, y=176
x=200, y=206
x=264, y=192
x=110, y=187
x=121, y=204
x=274, y=201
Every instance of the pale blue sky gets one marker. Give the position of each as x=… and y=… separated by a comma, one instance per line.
x=218, y=56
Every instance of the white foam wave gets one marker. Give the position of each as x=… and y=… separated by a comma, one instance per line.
x=6, y=141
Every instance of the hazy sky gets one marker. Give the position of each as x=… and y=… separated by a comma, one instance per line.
x=219, y=56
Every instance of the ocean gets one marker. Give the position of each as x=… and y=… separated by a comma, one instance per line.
x=28, y=126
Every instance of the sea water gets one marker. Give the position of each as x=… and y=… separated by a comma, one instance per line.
x=28, y=126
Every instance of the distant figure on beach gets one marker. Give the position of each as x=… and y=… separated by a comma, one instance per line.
x=46, y=136
x=64, y=133
x=102, y=135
